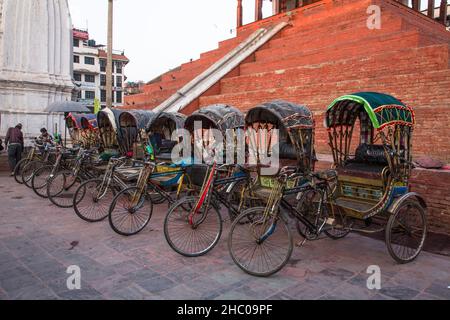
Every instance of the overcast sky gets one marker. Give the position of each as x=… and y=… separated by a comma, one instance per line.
x=159, y=35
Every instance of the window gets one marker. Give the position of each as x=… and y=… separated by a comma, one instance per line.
x=119, y=81
x=76, y=59
x=77, y=76
x=118, y=67
x=79, y=95
x=89, y=60
x=119, y=96
x=103, y=80
x=102, y=95
x=102, y=65
x=89, y=95
x=89, y=78
x=76, y=42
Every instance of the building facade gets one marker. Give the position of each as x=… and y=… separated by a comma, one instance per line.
x=89, y=70
x=35, y=63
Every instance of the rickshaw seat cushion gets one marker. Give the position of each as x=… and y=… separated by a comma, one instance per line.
x=167, y=144
x=363, y=170
x=287, y=151
x=370, y=153
x=164, y=156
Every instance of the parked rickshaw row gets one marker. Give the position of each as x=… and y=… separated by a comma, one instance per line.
x=123, y=162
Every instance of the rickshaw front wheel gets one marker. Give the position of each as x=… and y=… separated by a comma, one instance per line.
x=87, y=204
x=192, y=240
x=18, y=170
x=40, y=179
x=255, y=257
x=406, y=231
x=127, y=218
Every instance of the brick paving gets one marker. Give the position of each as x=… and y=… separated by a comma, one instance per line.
x=38, y=241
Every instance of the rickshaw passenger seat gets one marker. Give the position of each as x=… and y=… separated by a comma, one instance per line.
x=369, y=162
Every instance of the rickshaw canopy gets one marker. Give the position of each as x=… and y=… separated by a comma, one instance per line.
x=176, y=119
x=132, y=125
x=287, y=114
x=108, y=117
x=135, y=118
x=89, y=121
x=382, y=109
x=296, y=125
x=219, y=116
x=73, y=121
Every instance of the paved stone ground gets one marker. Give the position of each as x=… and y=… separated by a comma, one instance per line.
x=38, y=241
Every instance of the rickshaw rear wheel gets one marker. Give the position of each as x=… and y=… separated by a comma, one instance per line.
x=18, y=170
x=40, y=179
x=126, y=219
x=261, y=259
x=341, y=226
x=406, y=231
x=187, y=240
x=87, y=207
x=307, y=205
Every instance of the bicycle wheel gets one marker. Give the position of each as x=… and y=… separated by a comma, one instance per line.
x=256, y=257
x=91, y=203
x=189, y=240
x=406, y=231
x=308, y=206
x=28, y=171
x=61, y=188
x=239, y=198
x=40, y=179
x=126, y=218
x=18, y=170
x=340, y=227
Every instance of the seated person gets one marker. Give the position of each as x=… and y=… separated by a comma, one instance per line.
x=44, y=138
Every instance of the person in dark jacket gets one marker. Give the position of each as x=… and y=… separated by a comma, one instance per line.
x=14, y=143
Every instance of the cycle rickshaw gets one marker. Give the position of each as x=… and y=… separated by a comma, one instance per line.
x=159, y=179
x=260, y=240
x=193, y=225
x=93, y=197
x=373, y=180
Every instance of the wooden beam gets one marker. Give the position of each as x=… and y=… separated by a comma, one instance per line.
x=258, y=10
x=430, y=9
x=416, y=5
x=239, y=14
x=276, y=7
x=443, y=12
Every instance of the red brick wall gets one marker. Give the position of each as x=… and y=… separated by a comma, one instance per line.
x=434, y=186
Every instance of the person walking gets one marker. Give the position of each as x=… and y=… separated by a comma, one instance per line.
x=14, y=143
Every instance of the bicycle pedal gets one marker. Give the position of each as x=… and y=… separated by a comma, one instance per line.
x=301, y=243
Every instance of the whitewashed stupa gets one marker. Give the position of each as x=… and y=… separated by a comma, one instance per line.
x=35, y=63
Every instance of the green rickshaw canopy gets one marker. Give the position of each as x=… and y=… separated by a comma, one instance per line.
x=383, y=110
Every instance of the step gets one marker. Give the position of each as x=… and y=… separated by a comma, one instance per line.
x=297, y=45
x=404, y=61
x=358, y=48
x=413, y=88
